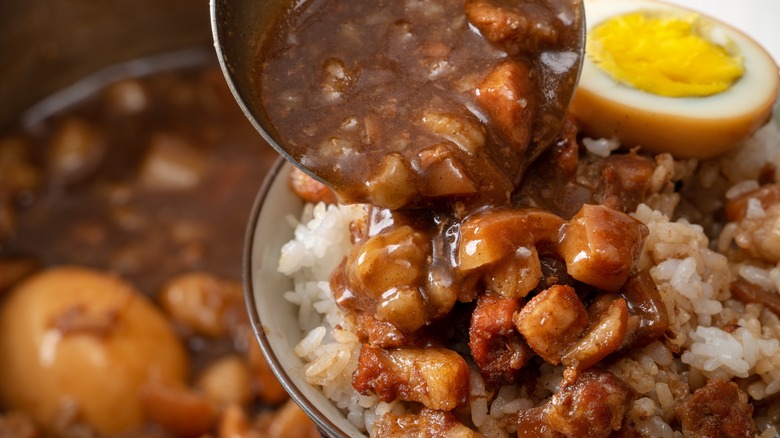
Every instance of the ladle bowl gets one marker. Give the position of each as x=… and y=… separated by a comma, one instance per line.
x=241, y=28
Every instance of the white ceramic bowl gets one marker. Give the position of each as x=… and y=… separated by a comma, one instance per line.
x=274, y=319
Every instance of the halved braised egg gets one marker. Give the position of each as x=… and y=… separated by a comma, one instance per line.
x=668, y=79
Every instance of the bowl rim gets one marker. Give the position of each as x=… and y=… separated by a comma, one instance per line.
x=325, y=426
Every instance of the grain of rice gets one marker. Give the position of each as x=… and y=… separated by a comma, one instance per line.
x=505, y=402
x=665, y=397
x=746, y=161
x=643, y=408
x=317, y=370
x=659, y=353
x=356, y=418
x=478, y=398
x=773, y=387
x=648, y=364
x=550, y=379
x=755, y=210
x=310, y=342
x=663, y=173
x=741, y=188
x=345, y=336
x=479, y=410
x=490, y=429
x=726, y=236
x=601, y=147
x=757, y=390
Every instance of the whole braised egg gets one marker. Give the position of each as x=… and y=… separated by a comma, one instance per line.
x=668, y=79
x=73, y=338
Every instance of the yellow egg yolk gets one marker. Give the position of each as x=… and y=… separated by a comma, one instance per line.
x=664, y=55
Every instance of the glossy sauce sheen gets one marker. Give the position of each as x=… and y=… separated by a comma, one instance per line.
x=395, y=102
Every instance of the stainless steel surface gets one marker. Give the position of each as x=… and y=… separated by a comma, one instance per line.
x=239, y=29
x=562, y=86
x=46, y=45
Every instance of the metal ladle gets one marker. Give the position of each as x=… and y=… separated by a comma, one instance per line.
x=240, y=28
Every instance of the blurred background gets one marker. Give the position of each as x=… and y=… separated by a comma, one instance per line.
x=48, y=44
x=127, y=174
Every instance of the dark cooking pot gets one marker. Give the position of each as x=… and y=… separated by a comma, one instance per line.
x=46, y=45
